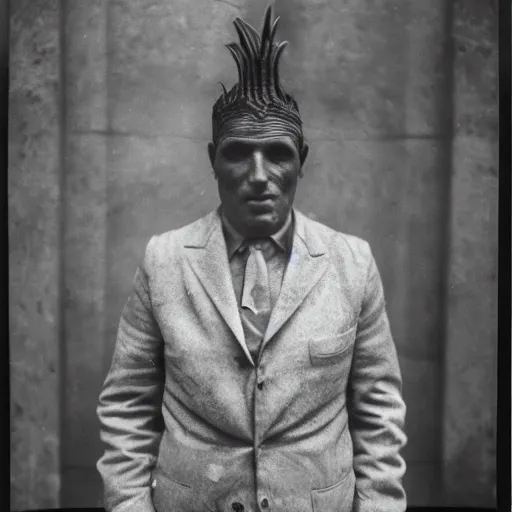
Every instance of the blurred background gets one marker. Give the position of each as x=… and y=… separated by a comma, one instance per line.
x=110, y=105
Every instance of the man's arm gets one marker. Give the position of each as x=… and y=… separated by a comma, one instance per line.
x=377, y=410
x=130, y=405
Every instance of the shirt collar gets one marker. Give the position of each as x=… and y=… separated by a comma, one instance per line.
x=282, y=238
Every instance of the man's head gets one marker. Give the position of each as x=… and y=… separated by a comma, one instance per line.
x=258, y=148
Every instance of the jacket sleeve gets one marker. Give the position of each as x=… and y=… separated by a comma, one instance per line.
x=377, y=410
x=130, y=404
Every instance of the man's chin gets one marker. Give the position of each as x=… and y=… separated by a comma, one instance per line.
x=264, y=223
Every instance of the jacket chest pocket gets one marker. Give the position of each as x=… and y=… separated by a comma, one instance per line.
x=333, y=349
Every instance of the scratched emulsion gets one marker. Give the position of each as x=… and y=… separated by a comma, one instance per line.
x=214, y=472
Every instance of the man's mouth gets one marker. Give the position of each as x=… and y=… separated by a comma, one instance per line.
x=262, y=203
x=260, y=198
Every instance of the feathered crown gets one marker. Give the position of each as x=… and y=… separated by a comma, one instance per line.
x=258, y=95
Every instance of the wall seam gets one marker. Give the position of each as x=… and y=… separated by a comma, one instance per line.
x=108, y=131
x=446, y=221
x=62, y=270
x=4, y=87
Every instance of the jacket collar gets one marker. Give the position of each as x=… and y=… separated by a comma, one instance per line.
x=204, y=228
x=208, y=258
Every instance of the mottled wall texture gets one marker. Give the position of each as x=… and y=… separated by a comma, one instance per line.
x=110, y=108
x=469, y=429
x=35, y=265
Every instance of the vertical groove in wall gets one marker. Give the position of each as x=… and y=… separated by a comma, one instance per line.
x=4, y=95
x=108, y=131
x=108, y=128
x=447, y=109
x=62, y=274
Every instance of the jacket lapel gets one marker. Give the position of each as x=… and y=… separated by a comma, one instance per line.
x=207, y=254
x=308, y=262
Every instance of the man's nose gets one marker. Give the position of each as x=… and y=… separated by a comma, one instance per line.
x=258, y=174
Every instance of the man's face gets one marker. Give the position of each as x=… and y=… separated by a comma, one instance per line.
x=257, y=178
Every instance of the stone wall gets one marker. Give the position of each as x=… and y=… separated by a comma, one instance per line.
x=384, y=91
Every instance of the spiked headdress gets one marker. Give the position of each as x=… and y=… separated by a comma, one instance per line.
x=258, y=97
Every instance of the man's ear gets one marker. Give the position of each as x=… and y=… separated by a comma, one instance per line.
x=211, y=153
x=304, y=153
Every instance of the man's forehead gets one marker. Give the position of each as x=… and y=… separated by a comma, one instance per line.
x=258, y=139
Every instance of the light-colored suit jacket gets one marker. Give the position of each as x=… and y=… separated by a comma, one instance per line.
x=316, y=424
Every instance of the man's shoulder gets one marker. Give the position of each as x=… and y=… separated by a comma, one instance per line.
x=188, y=231
x=167, y=242
x=338, y=243
x=336, y=240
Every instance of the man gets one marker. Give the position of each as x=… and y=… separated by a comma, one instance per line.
x=258, y=335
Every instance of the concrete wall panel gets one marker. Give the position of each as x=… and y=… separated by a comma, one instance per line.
x=34, y=181
x=85, y=203
x=470, y=374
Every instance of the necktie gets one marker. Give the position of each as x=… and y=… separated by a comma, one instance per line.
x=255, y=303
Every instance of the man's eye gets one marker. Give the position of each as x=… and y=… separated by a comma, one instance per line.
x=236, y=152
x=279, y=153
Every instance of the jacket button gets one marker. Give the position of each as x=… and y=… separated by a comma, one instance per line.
x=237, y=507
x=264, y=503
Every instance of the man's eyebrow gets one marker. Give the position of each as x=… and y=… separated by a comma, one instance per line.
x=235, y=143
x=279, y=144
x=263, y=143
